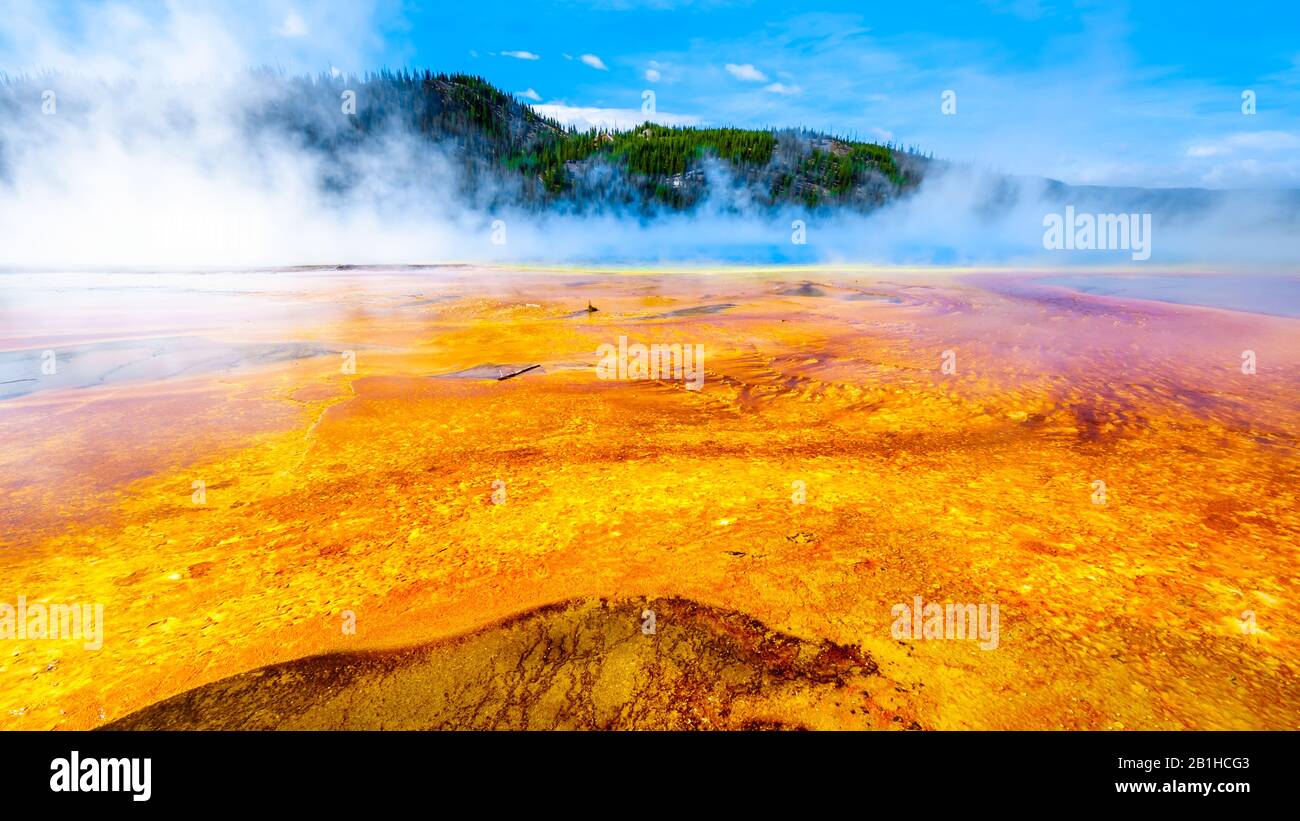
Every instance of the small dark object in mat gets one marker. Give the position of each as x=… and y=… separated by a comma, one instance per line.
x=516, y=373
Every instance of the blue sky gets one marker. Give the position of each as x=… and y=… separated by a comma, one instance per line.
x=1108, y=93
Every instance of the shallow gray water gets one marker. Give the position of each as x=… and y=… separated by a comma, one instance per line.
x=1262, y=294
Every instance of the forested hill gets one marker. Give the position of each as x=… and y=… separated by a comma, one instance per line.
x=459, y=131
x=421, y=141
x=505, y=148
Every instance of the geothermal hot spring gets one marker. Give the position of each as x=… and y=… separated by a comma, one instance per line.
x=402, y=497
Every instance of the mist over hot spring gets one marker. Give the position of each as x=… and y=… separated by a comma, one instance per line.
x=263, y=168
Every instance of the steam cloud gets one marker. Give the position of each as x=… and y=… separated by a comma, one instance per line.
x=149, y=159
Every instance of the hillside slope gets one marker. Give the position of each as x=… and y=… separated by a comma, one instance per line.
x=501, y=151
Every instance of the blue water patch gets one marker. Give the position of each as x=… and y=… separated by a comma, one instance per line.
x=1259, y=294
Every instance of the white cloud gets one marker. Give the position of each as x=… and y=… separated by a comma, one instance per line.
x=530, y=94
x=1248, y=141
x=595, y=62
x=521, y=55
x=782, y=88
x=746, y=72
x=293, y=26
x=610, y=118
x=188, y=42
x=653, y=75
